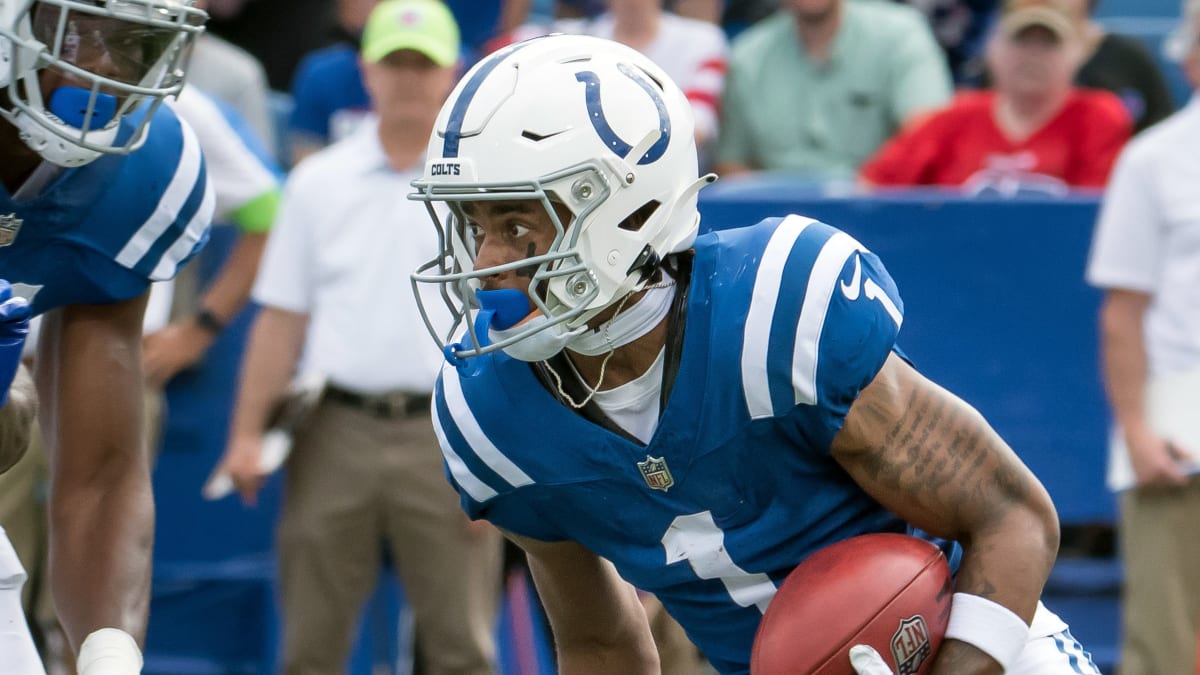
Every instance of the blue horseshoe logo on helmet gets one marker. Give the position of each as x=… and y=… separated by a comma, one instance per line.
x=600, y=122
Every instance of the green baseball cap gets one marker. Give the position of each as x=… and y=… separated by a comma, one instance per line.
x=426, y=26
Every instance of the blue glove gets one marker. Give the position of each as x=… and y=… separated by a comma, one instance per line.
x=14, y=326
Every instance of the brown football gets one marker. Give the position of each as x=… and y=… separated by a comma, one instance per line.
x=890, y=591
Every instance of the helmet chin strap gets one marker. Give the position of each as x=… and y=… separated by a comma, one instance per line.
x=628, y=325
x=539, y=345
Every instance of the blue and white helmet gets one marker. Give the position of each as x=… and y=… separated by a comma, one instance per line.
x=113, y=55
x=587, y=123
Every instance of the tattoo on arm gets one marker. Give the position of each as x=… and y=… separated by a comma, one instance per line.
x=942, y=450
x=975, y=584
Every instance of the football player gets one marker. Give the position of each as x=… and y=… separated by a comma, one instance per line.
x=637, y=406
x=102, y=190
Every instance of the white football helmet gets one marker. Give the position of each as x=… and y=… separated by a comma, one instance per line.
x=106, y=57
x=580, y=121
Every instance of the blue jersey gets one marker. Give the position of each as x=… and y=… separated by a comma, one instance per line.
x=787, y=322
x=100, y=233
x=328, y=83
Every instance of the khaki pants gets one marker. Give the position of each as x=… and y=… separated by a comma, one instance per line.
x=354, y=484
x=1160, y=544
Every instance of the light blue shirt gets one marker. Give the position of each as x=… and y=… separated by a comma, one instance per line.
x=782, y=111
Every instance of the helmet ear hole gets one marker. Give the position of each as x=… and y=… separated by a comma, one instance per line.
x=636, y=220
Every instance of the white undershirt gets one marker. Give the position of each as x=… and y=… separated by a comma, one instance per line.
x=634, y=406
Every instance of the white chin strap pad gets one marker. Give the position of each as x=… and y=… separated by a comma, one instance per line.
x=57, y=150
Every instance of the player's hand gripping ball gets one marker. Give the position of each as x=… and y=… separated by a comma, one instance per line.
x=889, y=591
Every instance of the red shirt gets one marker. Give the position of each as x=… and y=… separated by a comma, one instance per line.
x=962, y=144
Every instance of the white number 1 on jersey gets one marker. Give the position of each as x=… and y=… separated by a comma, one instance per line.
x=697, y=539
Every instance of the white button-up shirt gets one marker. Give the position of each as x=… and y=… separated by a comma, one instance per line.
x=1148, y=240
x=1148, y=236
x=345, y=242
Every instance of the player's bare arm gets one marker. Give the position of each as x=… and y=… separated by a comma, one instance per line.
x=274, y=348
x=599, y=624
x=16, y=419
x=89, y=379
x=933, y=460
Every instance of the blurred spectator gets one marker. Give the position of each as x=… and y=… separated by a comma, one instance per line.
x=817, y=87
x=1121, y=65
x=479, y=22
x=960, y=27
x=246, y=185
x=1033, y=130
x=299, y=27
x=741, y=14
x=366, y=471
x=329, y=99
x=692, y=52
x=578, y=9
x=277, y=32
x=515, y=13
x=1146, y=257
x=328, y=95
x=233, y=76
x=702, y=10
x=733, y=16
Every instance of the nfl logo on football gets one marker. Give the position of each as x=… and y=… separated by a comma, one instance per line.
x=656, y=473
x=910, y=645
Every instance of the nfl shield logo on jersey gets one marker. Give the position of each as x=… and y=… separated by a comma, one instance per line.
x=9, y=226
x=656, y=473
x=910, y=645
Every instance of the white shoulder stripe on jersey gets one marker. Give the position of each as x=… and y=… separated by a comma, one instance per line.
x=168, y=264
x=757, y=331
x=821, y=282
x=473, y=433
x=235, y=172
x=476, y=488
x=169, y=206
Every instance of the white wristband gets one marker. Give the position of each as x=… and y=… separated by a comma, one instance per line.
x=109, y=651
x=990, y=627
